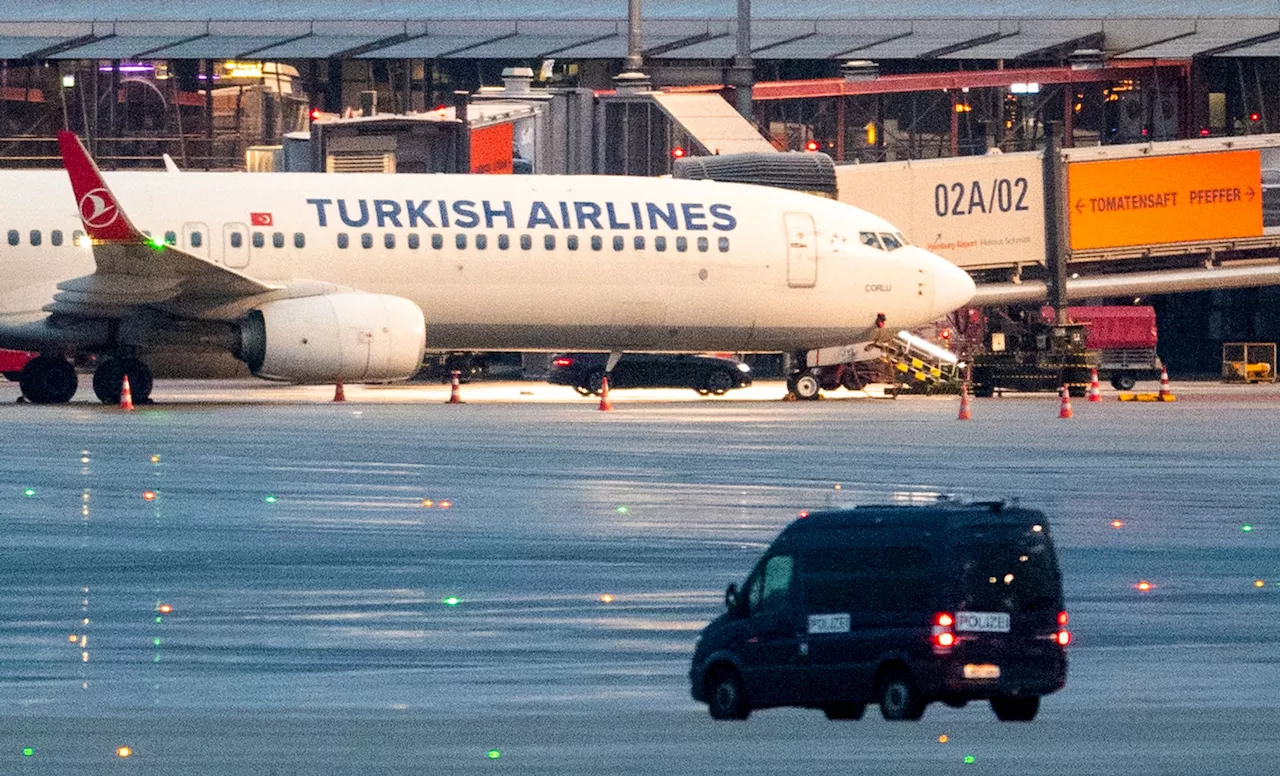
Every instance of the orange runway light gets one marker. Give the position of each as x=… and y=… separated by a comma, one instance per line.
x=124, y=751
x=165, y=608
x=607, y=598
x=149, y=495
x=446, y=504
x=1117, y=524
x=428, y=503
x=942, y=739
x=1144, y=586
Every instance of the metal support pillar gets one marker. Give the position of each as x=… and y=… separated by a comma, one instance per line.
x=742, y=71
x=842, y=107
x=1055, y=243
x=208, y=113
x=955, y=123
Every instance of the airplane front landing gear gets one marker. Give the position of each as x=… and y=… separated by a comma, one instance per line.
x=48, y=380
x=108, y=380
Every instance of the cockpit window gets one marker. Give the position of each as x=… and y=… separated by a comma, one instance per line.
x=901, y=239
x=870, y=239
x=891, y=243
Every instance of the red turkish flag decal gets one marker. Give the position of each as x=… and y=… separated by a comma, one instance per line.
x=260, y=219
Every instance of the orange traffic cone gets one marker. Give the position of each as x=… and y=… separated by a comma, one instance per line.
x=455, y=388
x=1095, y=390
x=1064, y=408
x=1166, y=393
x=965, y=414
x=338, y=393
x=605, y=404
x=126, y=395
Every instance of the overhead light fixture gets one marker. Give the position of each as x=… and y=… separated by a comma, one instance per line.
x=860, y=70
x=1087, y=59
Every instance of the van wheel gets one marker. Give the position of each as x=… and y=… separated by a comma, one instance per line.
x=844, y=710
x=1021, y=709
x=899, y=698
x=725, y=697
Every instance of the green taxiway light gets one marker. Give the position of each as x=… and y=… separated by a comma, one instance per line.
x=156, y=641
x=270, y=499
x=28, y=751
x=1247, y=527
x=493, y=754
x=622, y=510
x=159, y=619
x=29, y=492
x=969, y=759
x=452, y=600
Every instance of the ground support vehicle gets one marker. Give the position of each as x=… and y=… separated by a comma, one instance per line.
x=1027, y=354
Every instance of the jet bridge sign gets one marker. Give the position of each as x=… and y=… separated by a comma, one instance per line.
x=976, y=211
x=1165, y=199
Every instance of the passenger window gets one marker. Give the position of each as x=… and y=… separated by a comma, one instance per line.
x=14, y=239
x=342, y=240
x=771, y=589
x=237, y=239
x=197, y=239
x=437, y=241
x=413, y=242
x=890, y=242
x=549, y=242
x=682, y=244
x=703, y=244
x=619, y=243
x=504, y=242
x=55, y=237
x=171, y=238
x=35, y=236
x=366, y=240
x=526, y=242
x=75, y=237
x=596, y=242
x=277, y=239
x=659, y=244
x=460, y=241
x=388, y=241
x=259, y=240
x=639, y=243
x=299, y=240
x=571, y=242
x=869, y=239
x=482, y=242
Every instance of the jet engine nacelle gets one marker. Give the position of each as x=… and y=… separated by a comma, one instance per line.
x=352, y=337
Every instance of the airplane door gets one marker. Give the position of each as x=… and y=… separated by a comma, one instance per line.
x=195, y=238
x=802, y=250
x=235, y=245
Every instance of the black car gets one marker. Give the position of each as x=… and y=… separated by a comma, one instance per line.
x=705, y=374
x=894, y=605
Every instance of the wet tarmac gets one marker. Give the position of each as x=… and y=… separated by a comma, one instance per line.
x=231, y=584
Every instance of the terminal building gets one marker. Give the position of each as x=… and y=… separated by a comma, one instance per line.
x=419, y=86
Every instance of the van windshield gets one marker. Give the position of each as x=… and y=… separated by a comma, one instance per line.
x=1006, y=568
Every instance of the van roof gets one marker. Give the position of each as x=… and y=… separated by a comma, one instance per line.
x=975, y=513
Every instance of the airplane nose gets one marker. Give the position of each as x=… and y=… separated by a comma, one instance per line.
x=952, y=287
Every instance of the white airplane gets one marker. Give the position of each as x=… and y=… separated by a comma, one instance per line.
x=319, y=278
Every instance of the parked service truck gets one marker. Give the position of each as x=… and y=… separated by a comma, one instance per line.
x=1124, y=338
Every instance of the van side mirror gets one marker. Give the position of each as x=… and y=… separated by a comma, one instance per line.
x=731, y=598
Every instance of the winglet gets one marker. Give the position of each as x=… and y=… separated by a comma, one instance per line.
x=103, y=219
x=170, y=165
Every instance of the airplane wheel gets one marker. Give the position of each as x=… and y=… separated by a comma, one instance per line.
x=108, y=380
x=48, y=380
x=806, y=387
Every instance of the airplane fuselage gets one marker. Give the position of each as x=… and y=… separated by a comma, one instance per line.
x=513, y=262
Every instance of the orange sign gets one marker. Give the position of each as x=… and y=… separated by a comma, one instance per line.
x=1164, y=199
x=491, y=149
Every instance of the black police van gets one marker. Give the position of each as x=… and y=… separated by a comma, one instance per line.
x=893, y=605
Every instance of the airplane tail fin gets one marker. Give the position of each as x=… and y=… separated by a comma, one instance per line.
x=103, y=219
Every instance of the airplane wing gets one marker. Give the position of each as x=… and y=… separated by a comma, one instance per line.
x=134, y=271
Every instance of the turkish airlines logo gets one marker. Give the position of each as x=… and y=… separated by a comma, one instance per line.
x=98, y=209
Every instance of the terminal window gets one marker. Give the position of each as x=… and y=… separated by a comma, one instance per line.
x=342, y=239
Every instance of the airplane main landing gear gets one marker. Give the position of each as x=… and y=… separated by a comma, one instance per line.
x=108, y=380
x=48, y=380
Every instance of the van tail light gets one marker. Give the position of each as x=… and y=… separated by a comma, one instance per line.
x=1064, y=635
x=563, y=362
x=943, y=636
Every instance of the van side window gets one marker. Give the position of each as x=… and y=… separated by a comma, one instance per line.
x=770, y=589
x=868, y=579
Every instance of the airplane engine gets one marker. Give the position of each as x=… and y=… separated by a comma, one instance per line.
x=352, y=337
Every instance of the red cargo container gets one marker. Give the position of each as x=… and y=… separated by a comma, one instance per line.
x=12, y=362
x=1124, y=336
